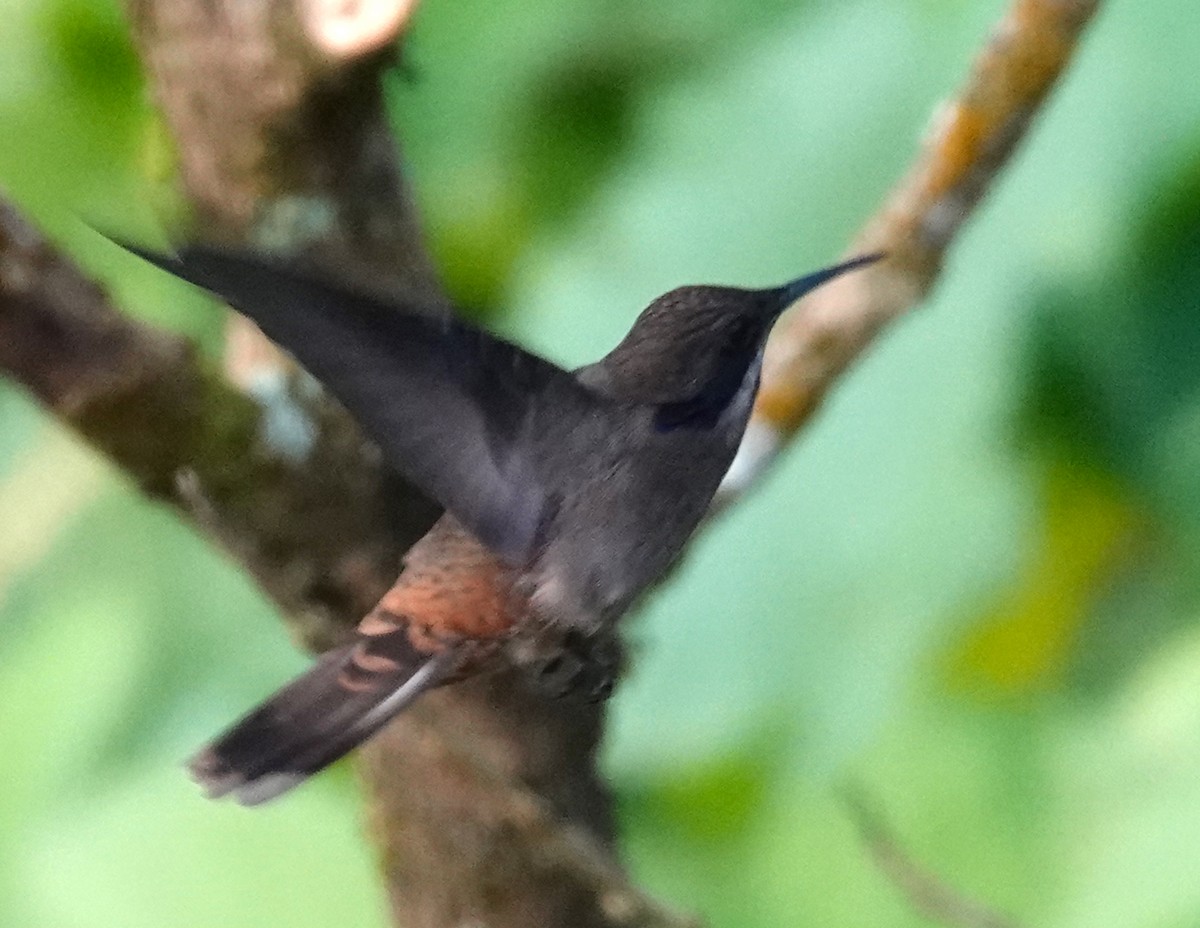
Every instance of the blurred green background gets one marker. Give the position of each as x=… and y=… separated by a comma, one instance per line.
x=971, y=587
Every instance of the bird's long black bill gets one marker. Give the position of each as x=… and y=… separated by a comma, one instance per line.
x=795, y=289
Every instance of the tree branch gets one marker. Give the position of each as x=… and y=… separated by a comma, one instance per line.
x=165, y=416
x=284, y=147
x=970, y=140
x=484, y=797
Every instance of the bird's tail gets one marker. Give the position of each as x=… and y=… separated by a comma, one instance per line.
x=320, y=716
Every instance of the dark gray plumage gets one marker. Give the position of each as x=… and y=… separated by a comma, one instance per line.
x=584, y=485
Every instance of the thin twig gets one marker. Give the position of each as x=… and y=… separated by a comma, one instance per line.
x=928, y=894
x=971, y=138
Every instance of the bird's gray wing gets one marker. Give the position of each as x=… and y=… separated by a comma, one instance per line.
x=449, y=405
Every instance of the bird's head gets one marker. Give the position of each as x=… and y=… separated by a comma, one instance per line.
x=697, y=344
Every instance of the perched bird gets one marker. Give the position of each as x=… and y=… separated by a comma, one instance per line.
x=567, y=494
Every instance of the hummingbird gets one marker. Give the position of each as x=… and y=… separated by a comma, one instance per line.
x=567, y=494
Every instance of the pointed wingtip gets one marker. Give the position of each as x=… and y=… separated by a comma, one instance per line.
x=104, y=231
x=168, y=259
x=797, y=288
